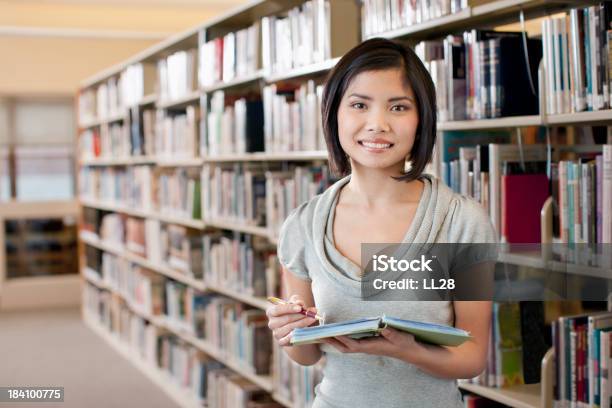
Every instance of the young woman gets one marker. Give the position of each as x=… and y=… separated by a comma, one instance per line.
x=378, y=111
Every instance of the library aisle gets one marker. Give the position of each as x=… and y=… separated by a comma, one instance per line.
x=55, y=348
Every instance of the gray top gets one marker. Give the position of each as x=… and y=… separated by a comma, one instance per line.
x=306, y=248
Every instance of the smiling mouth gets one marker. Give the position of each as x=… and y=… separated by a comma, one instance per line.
x=371, y=145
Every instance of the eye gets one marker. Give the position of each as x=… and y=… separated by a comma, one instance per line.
x=399, y=108
x=358, y=105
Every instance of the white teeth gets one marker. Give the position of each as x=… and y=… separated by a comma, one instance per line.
x=376, y=145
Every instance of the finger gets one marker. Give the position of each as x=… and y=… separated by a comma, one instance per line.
x=349, y=343
x=277, y=322
x=375, y=345
x=395, y=336
x=295, y=299
x=283, y=330
x=336, y=344
x=280, y=310
x=285, y=341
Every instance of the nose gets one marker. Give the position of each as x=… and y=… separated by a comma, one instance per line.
x=377, y=122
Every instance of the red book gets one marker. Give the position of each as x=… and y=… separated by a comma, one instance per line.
x=218, y=59
x=523, y=196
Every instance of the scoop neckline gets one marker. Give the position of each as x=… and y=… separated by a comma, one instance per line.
x=329, y=236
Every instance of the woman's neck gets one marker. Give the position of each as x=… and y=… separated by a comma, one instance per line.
x=375, y=189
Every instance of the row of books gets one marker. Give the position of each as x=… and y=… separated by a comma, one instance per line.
x=175, y=246
x=129, y=187
x=224, y=323
x=286, y=120
x=379, y=16
x=304, y=35
x=577, y=52
x=178, y=193
x=242, y=332
x=172, y=192
x=108, y=98
x=257, y=197
x=146, y=132
x=195, y=374
x=287, y=190
x=107, y=141
x=489, y=167
x=583, y=351
x=176, y=134
x=233, y=56
x=292, y=117
x=242, y=263
x=177, y=75
x=294, y=382
x=239, y=262
x=234, y=127
x=517, y=344
x=229, y=390
x=115, y=95
x=172, y=246
x=475, y=75
x=234, y=194
x=583, y=196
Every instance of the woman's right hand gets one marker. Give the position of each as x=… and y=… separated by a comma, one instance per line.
x=282, y=319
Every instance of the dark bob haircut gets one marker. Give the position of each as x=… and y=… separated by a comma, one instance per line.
x=374, y=55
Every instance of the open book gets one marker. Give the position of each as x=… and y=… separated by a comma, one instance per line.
x=361, y=328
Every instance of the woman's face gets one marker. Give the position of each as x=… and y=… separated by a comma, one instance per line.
x=377, y=120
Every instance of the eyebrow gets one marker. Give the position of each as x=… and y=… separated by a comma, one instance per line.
x=394, y=99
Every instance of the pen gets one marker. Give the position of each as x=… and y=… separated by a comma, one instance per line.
x=305, y=312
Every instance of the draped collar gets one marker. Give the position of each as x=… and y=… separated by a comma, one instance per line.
x=425, y=227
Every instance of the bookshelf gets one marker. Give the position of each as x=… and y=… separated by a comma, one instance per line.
x=255, y=79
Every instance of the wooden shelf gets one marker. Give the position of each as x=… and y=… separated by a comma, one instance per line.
x=535, y=259
x=474, y=16
x=180, y=220
x=234, y=83
x=264, y=156
x=116, y=208
x=177, y=162
x=110, y=161
x=254, y=301
x=167, y=218
x=148, y=100
x=90, y=123
x=237, y=226
x=497, y=123
x=588, y=118
x=440, y=24
x=181, y=102
x=303, y=71
x=521, y=396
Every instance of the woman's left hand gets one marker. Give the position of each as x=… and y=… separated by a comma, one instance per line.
x=391, y=343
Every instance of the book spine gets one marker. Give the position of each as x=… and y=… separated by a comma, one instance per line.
x=599, y=194
x=607, y=194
